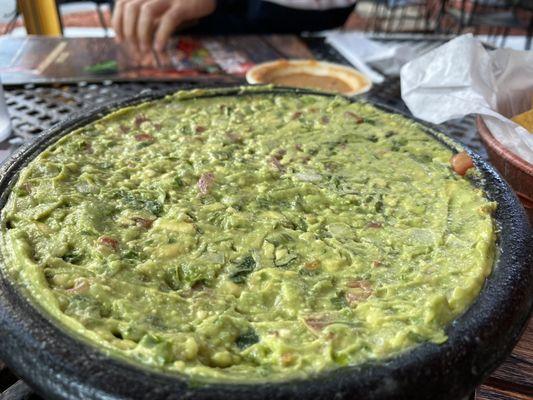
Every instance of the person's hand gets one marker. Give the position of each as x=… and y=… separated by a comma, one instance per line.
x=144, y=23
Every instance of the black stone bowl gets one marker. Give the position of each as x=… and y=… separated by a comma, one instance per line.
x=59, y=365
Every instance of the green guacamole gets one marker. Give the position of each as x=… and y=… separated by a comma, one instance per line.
x=258, y=236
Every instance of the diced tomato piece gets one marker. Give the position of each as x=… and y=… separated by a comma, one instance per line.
x=359, y=283
x=312, y=265
x=461, y=162
x=358, y=290
x=144, y=137
x=358, y=119
x=296, y=115
x=143, y=222
x=277, y=164
x=317, y=323
x=80, y=286
x=287, y=359
x=109, y=242
x=279, y=154
x=139, y=119
x=205, y=182
x=88, y=148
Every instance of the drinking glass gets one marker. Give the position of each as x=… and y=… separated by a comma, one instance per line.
x=5, y=122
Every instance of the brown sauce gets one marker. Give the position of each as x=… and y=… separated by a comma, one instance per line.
x=303, y=80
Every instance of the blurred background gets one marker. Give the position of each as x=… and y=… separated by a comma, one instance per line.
x=503, y=23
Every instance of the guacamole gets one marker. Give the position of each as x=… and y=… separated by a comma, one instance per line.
x=249, y=237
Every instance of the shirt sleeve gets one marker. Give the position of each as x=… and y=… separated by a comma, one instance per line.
x=314, y=4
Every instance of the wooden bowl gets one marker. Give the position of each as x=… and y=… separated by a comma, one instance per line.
x=516, y=171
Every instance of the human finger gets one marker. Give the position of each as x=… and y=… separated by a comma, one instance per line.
x=146, y=25
x=169, y=22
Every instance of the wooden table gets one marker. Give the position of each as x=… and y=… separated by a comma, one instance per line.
x=514, y=378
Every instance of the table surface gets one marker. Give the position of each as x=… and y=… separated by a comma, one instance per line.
x=33, y=109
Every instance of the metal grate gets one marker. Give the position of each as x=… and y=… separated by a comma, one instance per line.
x=35, y=108
x=11, y=388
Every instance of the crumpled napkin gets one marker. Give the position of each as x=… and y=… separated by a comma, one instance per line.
x=461, y=77
x=356, y=49
x=361, y=51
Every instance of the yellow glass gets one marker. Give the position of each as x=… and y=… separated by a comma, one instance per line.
x=41, y=17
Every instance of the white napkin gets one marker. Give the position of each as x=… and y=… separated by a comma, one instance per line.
x=461, y=78
x=359, y=50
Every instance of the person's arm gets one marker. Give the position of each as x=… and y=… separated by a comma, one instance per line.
x=147, y=23
x=314, y=4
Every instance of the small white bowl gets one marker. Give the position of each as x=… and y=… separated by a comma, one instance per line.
x=285, y=73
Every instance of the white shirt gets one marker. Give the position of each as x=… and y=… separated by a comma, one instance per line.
x=314, y=4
